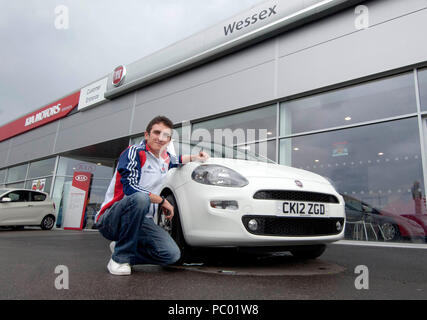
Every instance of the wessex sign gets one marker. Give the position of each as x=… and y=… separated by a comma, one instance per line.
x=238, y=25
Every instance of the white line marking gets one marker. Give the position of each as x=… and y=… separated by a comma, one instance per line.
x=381, y=244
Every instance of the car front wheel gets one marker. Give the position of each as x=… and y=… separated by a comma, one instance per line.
x=47, y=222
x=174, y=228
x=390, y=231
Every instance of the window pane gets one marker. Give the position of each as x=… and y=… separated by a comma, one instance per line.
x=243, y=127
x=39, y=184
x=41, y=168
x=266, y=149
x=17, y=173
x=2, y=176
x=17, y=185
x=422, y=83
x=369, y=101
x=378, y=166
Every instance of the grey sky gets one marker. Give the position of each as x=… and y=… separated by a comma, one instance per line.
x=40, y=64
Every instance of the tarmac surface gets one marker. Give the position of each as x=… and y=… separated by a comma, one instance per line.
x=29, y=259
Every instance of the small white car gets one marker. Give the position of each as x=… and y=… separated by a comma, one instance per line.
x=21, y=207
x=250, y=202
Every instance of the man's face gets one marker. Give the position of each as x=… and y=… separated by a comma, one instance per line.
x=158, y=138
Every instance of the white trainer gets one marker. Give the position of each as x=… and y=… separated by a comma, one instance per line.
x=119, y=269
x=112, y=246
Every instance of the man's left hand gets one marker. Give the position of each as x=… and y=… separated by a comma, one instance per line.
x=201, y=157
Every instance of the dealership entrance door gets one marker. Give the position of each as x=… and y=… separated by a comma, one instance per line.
x=100, y=161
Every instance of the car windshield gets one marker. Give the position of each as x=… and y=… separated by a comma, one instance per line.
x=217, y=150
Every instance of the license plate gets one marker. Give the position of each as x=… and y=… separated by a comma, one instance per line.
x=303, y=208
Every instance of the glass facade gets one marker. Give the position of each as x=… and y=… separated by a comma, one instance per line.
x=35, y=175
x=366, y=139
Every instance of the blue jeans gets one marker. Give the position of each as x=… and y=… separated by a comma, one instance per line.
x=138, y=239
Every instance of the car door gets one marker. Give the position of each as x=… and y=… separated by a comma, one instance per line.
x=15, y=212
x=40, y=206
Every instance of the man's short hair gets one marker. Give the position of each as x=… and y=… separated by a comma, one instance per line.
x=159, y=119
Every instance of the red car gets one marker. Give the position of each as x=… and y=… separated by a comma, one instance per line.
x=382, y=224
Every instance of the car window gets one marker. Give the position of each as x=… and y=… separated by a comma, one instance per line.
x=17, y=196
x=353, y=204
x=37, y=196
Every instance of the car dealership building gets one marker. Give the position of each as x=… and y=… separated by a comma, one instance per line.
x=337, y=87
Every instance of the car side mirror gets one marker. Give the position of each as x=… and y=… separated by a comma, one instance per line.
x=3, y=200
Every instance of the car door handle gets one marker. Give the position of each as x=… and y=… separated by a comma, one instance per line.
x=30, y=205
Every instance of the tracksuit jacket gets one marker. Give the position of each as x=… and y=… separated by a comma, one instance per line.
x=138, y=170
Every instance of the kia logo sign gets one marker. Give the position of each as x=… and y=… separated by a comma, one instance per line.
x=119, y=75
x=298, y=183
x=81, y=178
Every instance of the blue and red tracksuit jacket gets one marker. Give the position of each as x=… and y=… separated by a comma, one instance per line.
x=138, y=170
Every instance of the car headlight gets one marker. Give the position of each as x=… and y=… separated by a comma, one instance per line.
x=218, y=176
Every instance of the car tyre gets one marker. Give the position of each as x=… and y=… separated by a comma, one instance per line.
x=309, y=252
x=174, y=228
x=390, y=232
x=48, y=222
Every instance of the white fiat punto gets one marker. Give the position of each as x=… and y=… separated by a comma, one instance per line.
x=21, y=207
x=239, y=199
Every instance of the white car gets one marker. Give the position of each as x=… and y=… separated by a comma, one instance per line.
x=253, y=203
x=21, y=207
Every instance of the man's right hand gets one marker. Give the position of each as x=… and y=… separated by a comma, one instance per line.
x=167, y=210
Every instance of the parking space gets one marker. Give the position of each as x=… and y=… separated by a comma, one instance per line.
x=29, y=259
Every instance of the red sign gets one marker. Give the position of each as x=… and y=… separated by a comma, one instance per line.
x=40, y=117
x=77, y=201
x=119, y=75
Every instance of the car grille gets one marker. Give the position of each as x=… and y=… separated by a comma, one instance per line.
x=298, y=227
x=295, y=196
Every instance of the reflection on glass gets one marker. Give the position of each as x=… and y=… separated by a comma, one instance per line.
x=17, y=173
x=422, y=84
x=67, y=167
x=41, y=168
x=243, y=127
x=266, y=149
x=377, y=165
x=365, y=102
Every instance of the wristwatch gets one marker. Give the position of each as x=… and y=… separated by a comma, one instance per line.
x=161, y=203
